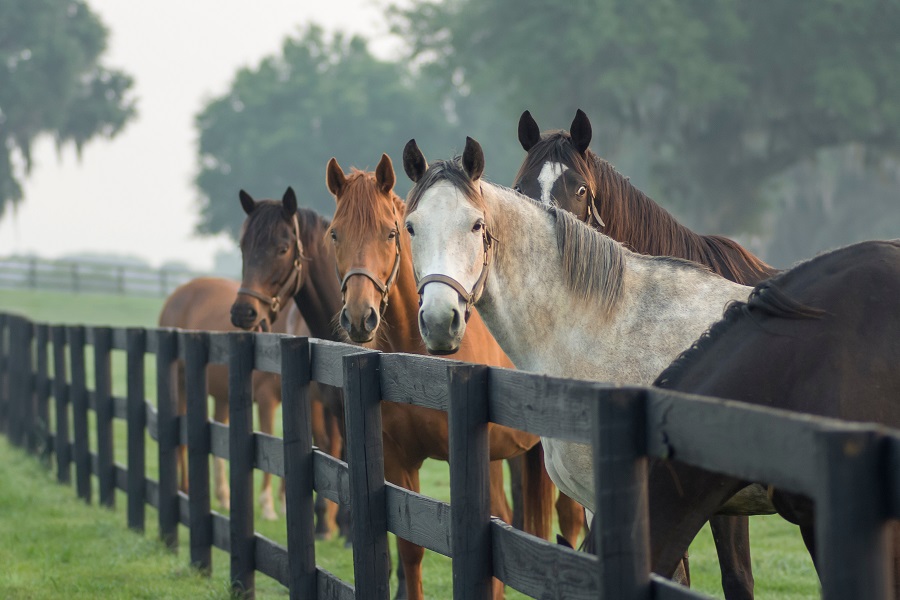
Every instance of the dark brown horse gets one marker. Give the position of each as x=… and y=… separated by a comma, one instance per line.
x=203, y=304
x=822, y=338
x=381, y=304
x=560, y=169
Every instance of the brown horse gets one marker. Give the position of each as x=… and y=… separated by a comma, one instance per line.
x=560, y=169
x=203, y=304
x=822, y=338
x=381, y=305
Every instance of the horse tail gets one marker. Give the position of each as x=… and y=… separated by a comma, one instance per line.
x=538, y=493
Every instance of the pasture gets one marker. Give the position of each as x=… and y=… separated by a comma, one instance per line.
x=781, y=565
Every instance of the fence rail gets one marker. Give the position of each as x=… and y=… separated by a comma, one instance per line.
x=625, y=424
x=90, y=277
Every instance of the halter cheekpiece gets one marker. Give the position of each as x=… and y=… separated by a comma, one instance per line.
x=292, y=282
x=478, y=289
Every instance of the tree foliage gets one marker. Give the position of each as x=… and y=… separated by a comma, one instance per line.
x=722, y=95
x=281, y=121
x=51, y=82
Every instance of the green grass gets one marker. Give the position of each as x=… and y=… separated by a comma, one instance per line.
x=781, y=565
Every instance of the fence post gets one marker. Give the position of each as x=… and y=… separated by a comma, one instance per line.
x=61, y=397
x=17, y=367
x=298, y=467
x=4, y=373
x=80, y=413
x=41, y=439
x=106, y=469
x=169, y=433
x=196, y=356
x=622, y=521
x=852, y=533
x=137, y=427
x=241, y=450
x=470, y=490
x=365, y=455
x=27, y=414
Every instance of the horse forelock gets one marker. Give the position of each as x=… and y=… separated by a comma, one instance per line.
x=450, y=171
x=362, y=207
x=258, y=227
x=557, y=147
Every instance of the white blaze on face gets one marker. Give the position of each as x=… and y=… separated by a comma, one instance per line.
x=550, y=172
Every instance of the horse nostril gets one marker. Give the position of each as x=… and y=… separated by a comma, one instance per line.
x=345, y=320
x=251, y=313
x=423, y=328
x=456, y=323
x=371, y=321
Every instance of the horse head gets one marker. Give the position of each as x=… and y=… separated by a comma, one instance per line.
x=272, y=256
x=366, y=237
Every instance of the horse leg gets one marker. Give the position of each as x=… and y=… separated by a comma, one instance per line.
x=571, y=518
x=326, y=510
x=266, y=402
x=732, y=538
x=499, y=508
x=515, y=487
x=223, y=493
x=181, y=451
x=341, y=513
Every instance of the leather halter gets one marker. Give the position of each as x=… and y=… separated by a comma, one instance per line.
x=478, y=289
x=291, y=284
x=384, y=288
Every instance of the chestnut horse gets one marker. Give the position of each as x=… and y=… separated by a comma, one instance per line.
x=203, y=304
x=561, y=170
x=381, y=305
x=822, y=338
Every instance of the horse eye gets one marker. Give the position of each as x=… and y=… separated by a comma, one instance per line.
x=392, y=234
x=334, y=235
x=477, y=226
x=410, y=230
x=283, y=250
x=517, y=189
x=581, y=191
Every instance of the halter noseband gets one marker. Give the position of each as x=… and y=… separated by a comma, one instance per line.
x=384, y=288
x=478, y=289
x=291, y=284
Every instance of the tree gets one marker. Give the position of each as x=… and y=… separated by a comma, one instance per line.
x=51, y=82
x=280, y=123
x=721, y=95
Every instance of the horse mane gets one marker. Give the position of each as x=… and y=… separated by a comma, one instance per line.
x=593, y=264
x=641, y=224
x=360, y=208
x=766, y=299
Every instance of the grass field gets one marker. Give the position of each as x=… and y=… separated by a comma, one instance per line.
x=782, y=567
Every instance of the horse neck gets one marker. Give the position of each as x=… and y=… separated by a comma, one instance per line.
x=400, y=331
x=319, y=298
x=641, y=224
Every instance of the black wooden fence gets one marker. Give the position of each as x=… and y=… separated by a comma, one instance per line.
x=851, y=471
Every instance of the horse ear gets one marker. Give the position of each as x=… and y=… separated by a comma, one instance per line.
x=384, y=174
x=289, y=203
x=529, y=132
x=414, y=162
x=247, y=202
x=581, y=131
x=473, y=159
x=334, y=177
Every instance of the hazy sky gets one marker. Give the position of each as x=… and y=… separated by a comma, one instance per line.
x=133, y=194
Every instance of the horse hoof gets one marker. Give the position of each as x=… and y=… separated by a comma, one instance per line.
x=269, y=515
x=323, y=536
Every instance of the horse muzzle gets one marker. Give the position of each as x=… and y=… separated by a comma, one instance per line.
x=442, y=330
x=361, y=329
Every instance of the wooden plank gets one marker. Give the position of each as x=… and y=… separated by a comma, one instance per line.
x=196, y=348
x=79, y=399
x=415, y=379
x=547, y=406
x=152, y=421
x=137, y=424
x=152, y=344
x=371, y=562
x=893, y=470
x=26, y=397
x=715, y=435
x=853, y=546
x=4, y=373
x=332, y=588
x=269, y=454
x=120, y=407
x=267, y=352
x=218, y=348
x=104, y=414
x=240, y=401
x=39, y=441
x=218, y=439
x=666, y=589
x=622, y=522
x=298, y=467
x=152, y=497
x=167, y=435
x=63, y=448
x=121, y=477
x=221, y=527
x=332, y=478
x=272, y=560
x=422, y=520
x=120, y=339
x=541, y=569
x=184, y=509
x=470, y=486
x=325, y=360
